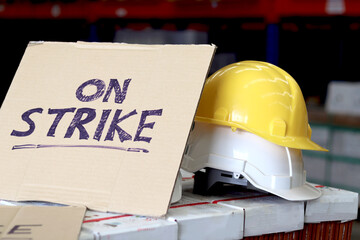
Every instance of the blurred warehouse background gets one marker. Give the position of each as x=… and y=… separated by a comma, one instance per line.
x=316, y=41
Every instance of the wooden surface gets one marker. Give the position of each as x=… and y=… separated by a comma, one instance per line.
x=313, y=231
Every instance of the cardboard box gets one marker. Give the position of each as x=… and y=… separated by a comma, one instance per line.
x=40, y=222
x=92, y=123
x=100, y=225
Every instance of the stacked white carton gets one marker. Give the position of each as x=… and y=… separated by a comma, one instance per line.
x=231, y=216
x=333, y=205
x=99, y=225
x=198, y=219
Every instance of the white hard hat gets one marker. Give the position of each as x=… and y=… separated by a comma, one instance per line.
x=177, y=191
x=267, y=166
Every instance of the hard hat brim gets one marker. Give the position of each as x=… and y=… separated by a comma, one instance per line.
x=303, y=193
x=291, y=142
x=301, y=143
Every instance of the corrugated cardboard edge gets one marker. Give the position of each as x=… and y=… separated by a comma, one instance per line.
x=212, y=58
x=117, y=45
x=42, y=222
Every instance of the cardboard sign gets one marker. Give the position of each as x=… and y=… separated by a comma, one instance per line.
x=100, y=124
x=36, y=223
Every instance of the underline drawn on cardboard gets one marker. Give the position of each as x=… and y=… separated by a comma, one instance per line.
x=33, y=146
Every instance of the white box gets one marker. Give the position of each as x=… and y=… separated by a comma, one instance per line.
x=343, y=98
x=346, y=143
x=263, y=213
x=269, y=214
x=345, y=174
x=99, y=225
x=320, y=134
x=333, y=205
x=199, y=219
x=232, y=216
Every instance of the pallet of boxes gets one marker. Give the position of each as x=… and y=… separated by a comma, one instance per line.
x=93, y=136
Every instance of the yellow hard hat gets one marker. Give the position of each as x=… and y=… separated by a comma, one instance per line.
x=260, y=98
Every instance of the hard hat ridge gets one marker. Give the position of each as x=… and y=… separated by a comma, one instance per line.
x=260, y=98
